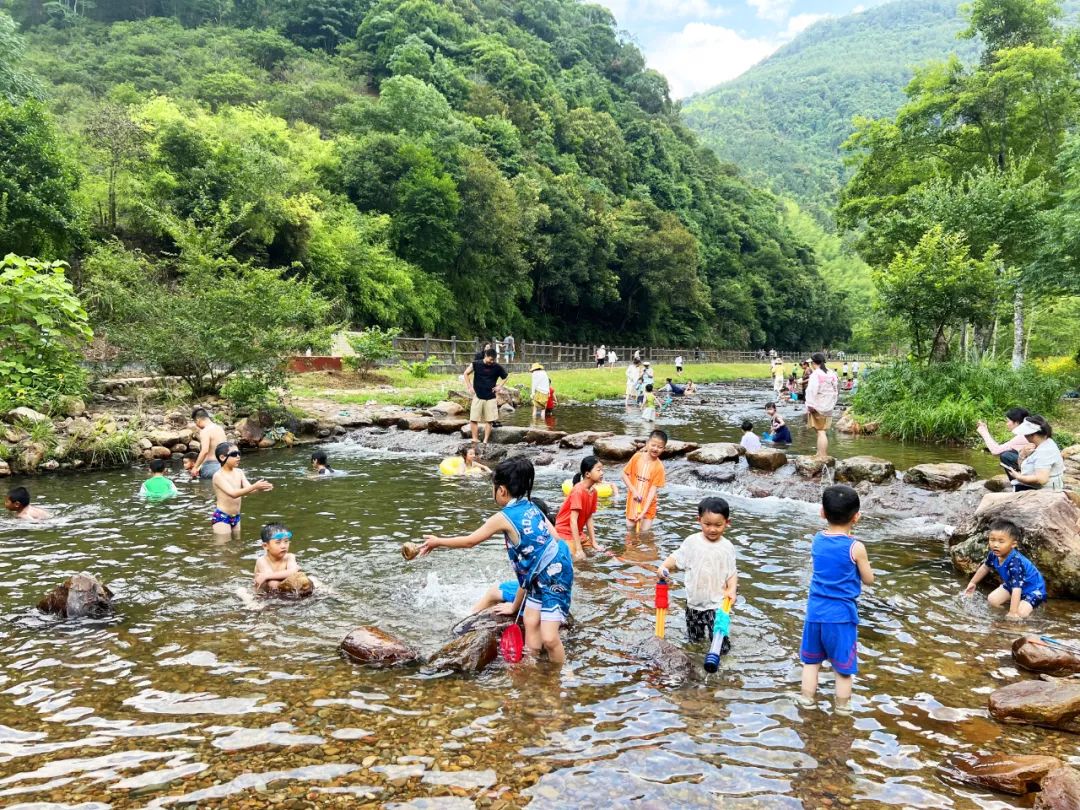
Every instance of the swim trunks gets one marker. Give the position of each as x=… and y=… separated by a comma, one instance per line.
x=206, y=472
x=224, y=517
x=836, y=642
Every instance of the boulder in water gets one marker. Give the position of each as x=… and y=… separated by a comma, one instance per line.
x=576, y=441
x=484, y=620
x=388, y=419
x=249, y=432
x=469, y=652
x=79, y=595
x=812, y=466
x=767, y=459
x=946, y=476
x=543, y=436
x=1017, y=774
x=1051, y=525
x=1051, y=703
x=1060, y=790
x=294, y=586
x=675, y=448
x=856, y=469
x=508, y=434
x=414, y=422
x=447, y=425
x=670, y=662
x=447, y=408
x=716, y=453
x=1035, y=655
x=617, y=448
x=372, y=647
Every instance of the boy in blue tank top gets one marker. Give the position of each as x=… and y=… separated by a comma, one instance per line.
x=841, y=568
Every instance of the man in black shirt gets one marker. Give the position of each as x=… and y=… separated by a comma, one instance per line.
x=483, y=379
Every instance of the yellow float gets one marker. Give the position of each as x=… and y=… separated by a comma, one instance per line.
x=603, y=489
x=452, y=465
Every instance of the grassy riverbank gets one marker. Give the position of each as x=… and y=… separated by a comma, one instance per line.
x=398, y=387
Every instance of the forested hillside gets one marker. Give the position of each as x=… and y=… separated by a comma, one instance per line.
x=452, y=167
x=782, y=122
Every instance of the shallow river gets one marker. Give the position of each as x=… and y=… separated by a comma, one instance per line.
x=188, y=696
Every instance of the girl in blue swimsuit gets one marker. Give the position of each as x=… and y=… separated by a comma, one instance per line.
x=540, y=560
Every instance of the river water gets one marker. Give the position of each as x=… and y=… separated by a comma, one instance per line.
x=189, y=696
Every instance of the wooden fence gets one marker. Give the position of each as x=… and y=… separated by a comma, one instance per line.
x=454, y=353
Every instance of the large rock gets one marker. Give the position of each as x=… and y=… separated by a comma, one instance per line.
x=5, y=470
x=1071, y=455
x=716, y=453
x=248, y=432
x=469, y=652
x=72, y=406
x=1035, y=655
x=31, y=456
x=509, y=434
x=670, y=662
x=767, y=459
x=295, y=586
x=576, y=441
x=1060, y=790
x=544, y=436
x=1051, y=525
x=372, y=647
x=1051, y=703
x=451, y=424
x=1017, y=774
x=998, y=483
x=80, y=595
x=946, y=476
x=485, y=620
x=414, y=422
x=157, y=451
x=24, y=414
x=617, y=448
x=447, y=408
x=170, y=438
x=849, y=424
x=388, y=419
x=865, y=468
x=354, y=419
x=675, y=448
x=812, y=466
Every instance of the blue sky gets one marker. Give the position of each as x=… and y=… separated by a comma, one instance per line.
x=698, y=44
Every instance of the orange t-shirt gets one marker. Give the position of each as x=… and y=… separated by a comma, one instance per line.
x=643, y=472
x=582, y=499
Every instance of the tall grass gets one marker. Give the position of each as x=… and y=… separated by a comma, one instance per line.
x=945, y=401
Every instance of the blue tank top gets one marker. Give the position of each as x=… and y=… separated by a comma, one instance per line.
x=533, y=538
x=835, y=584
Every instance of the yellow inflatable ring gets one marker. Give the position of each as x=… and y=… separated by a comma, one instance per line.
x=452, y=465
x=603, y=489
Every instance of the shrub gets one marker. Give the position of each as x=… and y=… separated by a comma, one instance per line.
x=371, y=346
x=945, y=401
x=251, y=392
x=420, y=368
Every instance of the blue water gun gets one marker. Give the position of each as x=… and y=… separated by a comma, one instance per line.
x=721, y=630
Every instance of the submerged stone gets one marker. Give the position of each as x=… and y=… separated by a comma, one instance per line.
x=295, y=586
x=373, y=647
x=767, y=459
x=1051, y=703
x=669, y=661
x=1017, y=774
x=78, y=596
x=617, y=448
x=469, y=652
x=1035, y=655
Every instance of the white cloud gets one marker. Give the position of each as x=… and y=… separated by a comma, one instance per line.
x=800, y=22
x=703, y=55
x=772, y=10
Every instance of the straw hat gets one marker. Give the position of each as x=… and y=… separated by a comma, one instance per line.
x=536, y=367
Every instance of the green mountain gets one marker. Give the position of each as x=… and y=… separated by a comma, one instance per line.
x=451, y=166
x=782, y=122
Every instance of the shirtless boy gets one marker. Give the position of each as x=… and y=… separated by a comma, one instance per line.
x=18, y=502
x=211, y=434
x=230, y=485
x=277, y=563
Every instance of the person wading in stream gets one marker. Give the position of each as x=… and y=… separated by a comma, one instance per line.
x=821, y=393
x=211, y=434
x=483, y=380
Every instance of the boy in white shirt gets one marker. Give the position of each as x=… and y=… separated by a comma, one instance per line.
x=750, y=440
x=709, y=561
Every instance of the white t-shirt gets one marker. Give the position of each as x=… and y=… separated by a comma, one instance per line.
x=540, y=382
x=1046, y=456
x=633, y=373
x=751, y=442
x=678, y=360
x=708, y=567
x=822, y=391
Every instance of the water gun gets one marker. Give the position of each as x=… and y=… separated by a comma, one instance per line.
x=721, y=630
x=661, y=607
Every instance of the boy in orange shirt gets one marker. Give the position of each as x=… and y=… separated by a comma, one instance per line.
x=644, y=478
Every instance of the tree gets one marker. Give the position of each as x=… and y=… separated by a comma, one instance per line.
x=935, y=286
x=15, y=83
x=37, y=184
x=121, y=141
x=42, y=327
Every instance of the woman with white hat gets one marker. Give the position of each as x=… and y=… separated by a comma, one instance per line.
x=538, y=392
x=1044, y=468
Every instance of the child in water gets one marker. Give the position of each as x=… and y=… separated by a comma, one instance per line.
x=779, y=433
x=750, y=441
x=840, y=569
x=542, y=563
x=157, y=487
x=190, y=458
x=230, y=486
x=276, y=563
x=644, y=478
x=648, y=404
x=709, y=561
x=574, y=523
x=18, y=502
x=1022, y=586
x=319, y=463
x=469, y=464
x=507, y=591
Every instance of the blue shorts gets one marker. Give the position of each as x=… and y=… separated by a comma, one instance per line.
x=550, y=592
x=509, y=590
x=837, y=642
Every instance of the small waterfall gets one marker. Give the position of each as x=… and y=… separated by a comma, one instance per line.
x=827, y=476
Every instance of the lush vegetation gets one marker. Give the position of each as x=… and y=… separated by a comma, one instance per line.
x=450, y=167
x=945, y=401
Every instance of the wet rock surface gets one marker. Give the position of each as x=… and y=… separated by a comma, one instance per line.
x=940, y=476
x=617, y=448
x=716, y=453
x=373, y=647
x=767, y=459
x=543, y=436
x=675, y=448
x=1060, y=790
x=576, y=441
x=448, y=425
x=415, y=422
x=1035, y=655
x=469, y=652
x=670, y=662
x=80, y=595
x=1017, y=774
x=1050, y=522
x=857, y=469
x=1049, y=702
x=295, y=586
x=812, y=466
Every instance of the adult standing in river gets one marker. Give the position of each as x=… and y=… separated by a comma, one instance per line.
x=1009, y=452
x=483, y=380
x=211, y=434
x=633, y=377
x=1044, y=468
x=822, y=390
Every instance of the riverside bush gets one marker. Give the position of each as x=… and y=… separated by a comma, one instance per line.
x=945, y=401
